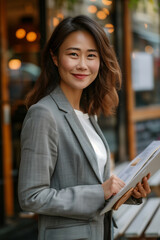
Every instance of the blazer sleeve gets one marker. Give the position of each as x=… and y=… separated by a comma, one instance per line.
x=39, y=145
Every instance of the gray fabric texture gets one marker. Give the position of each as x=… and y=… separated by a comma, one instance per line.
x=58, y=175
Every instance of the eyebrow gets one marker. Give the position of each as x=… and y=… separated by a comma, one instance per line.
x=78, y=49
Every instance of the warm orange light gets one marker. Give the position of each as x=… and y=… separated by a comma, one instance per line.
x=31, y=36
x=101, y=15
x=110, y=27
x=92, y=9
x=105, y=2
x=146, y=25
x=55, y=21
x=60, y=15
x=20, y=33
x=14, y=64
x=149, y=49
x=106, y=11
x=133, y=55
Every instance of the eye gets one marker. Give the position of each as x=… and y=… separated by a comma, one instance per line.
x=73, y=54
x=91, y=55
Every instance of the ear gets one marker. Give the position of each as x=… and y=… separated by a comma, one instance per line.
x=54, y=58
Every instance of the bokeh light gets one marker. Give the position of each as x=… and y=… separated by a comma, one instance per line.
x=106, y=11
x=145, y=25
x=60, y=15
x=110, y=27
x=149, y=49
x=105, y=2
x=55, y=21
x=101, y=15
x=31, y=36
x=20, y=33
x=92, y=9
x=14, y=64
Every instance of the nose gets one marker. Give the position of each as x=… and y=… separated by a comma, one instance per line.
x=82, y=65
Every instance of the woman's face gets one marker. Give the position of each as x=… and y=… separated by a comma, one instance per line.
x=78, y=61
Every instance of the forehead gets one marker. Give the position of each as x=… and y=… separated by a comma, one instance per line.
x=79, y=39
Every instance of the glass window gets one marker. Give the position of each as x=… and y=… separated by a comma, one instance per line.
x=146, y=132
x=22, y=61
x=101, y=11
x=146, y=53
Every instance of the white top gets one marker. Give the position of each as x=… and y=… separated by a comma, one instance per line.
x=95, y=140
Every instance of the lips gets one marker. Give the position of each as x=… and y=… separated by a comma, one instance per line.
x=80, y=76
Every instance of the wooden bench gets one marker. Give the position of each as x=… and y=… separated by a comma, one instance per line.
x=153, y=229
x=138, y=221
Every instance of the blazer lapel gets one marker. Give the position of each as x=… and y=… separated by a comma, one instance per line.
x=84, y=141
x=72, y=119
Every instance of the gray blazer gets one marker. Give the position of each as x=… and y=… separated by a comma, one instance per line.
x=58, y=175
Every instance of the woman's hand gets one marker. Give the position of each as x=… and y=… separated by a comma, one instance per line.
x=112, y=186
x=142, y=189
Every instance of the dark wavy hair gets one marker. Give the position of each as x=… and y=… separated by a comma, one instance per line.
x=101, y=95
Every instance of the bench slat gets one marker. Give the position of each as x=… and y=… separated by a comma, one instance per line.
x=142, y=219
x=122, y=210
x=153, y=229
x=127, y=217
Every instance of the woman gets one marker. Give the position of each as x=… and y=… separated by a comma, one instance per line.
x=64, y=170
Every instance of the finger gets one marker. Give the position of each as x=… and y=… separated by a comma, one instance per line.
x=117, y=181
x=148, y=176
x=136, y=193
x=144, y=180
x=115, y=188
x=141, y=190
x=121, y=183
x=146, y=185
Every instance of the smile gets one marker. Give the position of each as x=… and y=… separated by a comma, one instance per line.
x=80, y=76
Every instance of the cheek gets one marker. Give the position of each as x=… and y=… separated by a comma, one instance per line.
x=66, y=64
x=95, y=67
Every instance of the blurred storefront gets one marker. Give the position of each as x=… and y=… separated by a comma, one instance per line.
x=133, y=28
x=142, y=70
x=19, y=68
